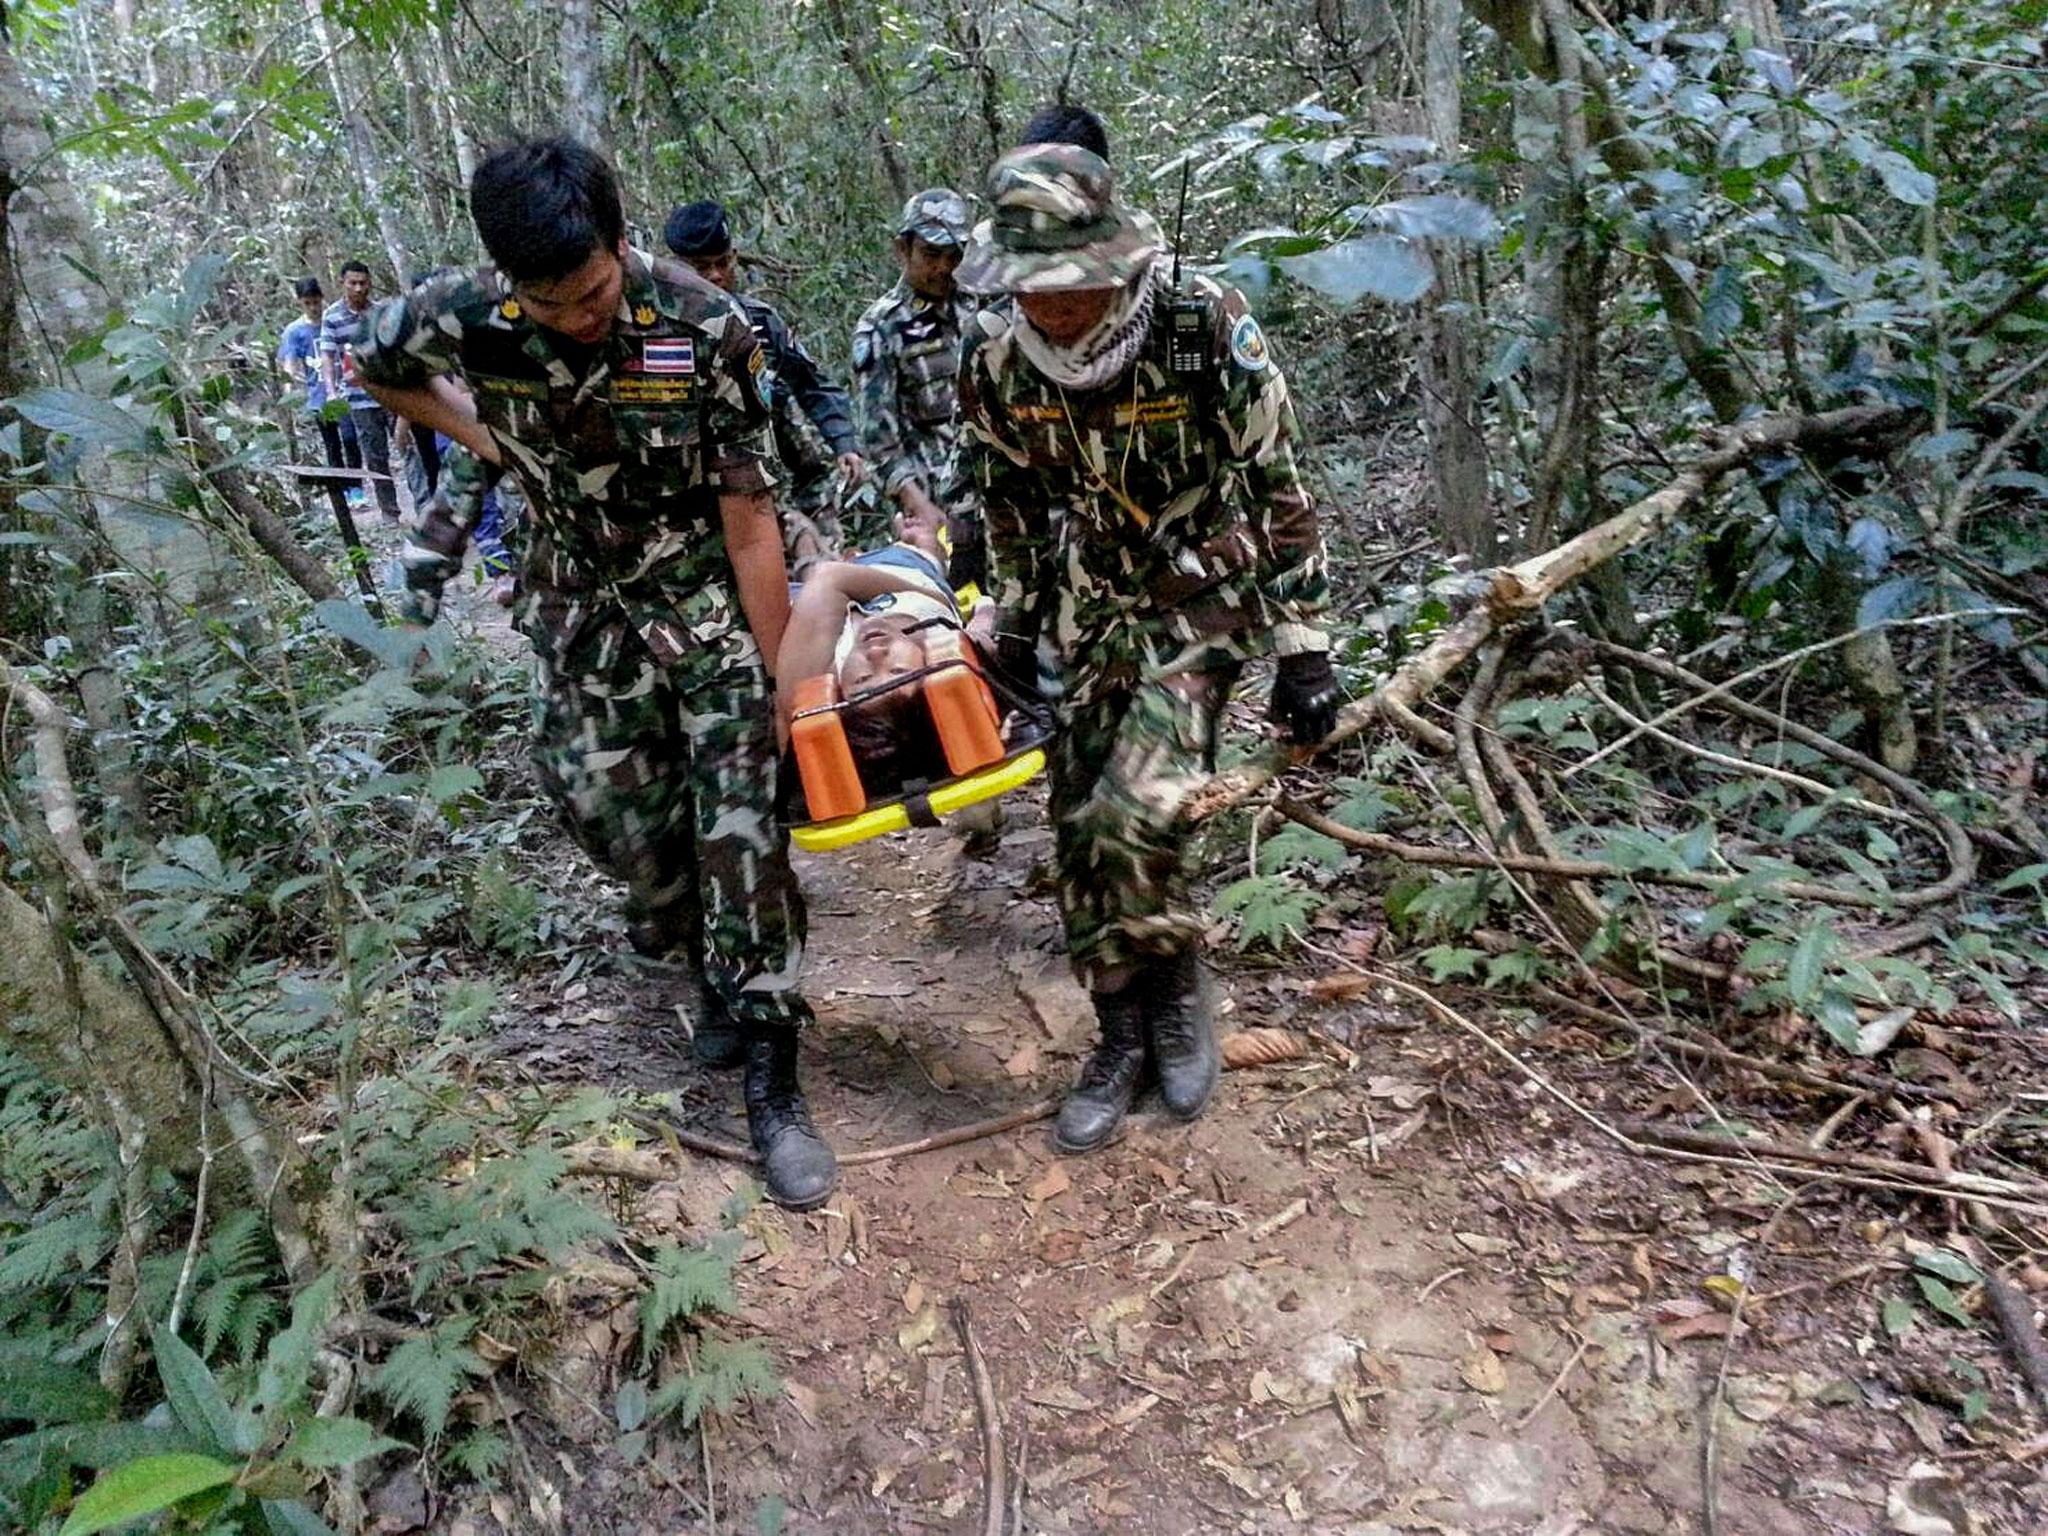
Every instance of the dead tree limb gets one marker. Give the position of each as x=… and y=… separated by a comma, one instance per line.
x=1518, y=592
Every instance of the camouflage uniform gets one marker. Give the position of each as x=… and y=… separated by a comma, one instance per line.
x=813, y=426
x=1157, y=529
x=906, y=359
x=442, y=528
x=652, y=719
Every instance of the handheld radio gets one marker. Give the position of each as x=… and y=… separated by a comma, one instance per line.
x=1188, y=320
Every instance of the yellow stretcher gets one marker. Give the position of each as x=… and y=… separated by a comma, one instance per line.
x=990, y=748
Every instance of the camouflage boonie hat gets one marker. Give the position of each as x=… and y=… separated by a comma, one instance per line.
x=1056, y=225
x=937, y=216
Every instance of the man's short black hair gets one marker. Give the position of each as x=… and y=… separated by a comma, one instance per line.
x=354, y=266
x=894, y=742
x=1064, y=123
x=309, y=288
x=698, y=229
x=543, y=206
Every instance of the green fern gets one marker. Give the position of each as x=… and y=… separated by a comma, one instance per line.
x=687, y=1281
x=481, y=1454
x=422, y=1375
x=726, y=1371
x=54, y=1248
x=1268, y=907
x=512, y=1206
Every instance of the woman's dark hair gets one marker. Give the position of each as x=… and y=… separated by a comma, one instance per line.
x=1063, y=123
x=309, y=288
x=894, y=741
x=543, y=206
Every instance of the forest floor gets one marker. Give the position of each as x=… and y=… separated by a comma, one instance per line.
x=1396, y=1286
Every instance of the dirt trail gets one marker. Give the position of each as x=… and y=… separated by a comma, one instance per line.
x=1383, y=1291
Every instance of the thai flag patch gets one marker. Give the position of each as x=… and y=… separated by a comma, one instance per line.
x=676, y=354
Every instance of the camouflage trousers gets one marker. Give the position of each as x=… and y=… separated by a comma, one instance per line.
x=1123, y=765
x=669, y=778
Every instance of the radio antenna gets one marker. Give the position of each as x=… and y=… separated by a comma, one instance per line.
x=1180, y=219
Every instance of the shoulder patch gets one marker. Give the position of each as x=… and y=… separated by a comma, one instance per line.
x=863, y=347
x=390, y=323
x=644, y=315
x=764, y=381
x=510, y=309
x=1248, y=344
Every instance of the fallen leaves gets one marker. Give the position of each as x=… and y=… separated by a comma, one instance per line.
x=1688, y=1317
x=1482, y=1371
x=1262, y=1048
x=1050, y=1185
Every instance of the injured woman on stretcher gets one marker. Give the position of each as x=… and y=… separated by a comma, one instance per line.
x=882, y=693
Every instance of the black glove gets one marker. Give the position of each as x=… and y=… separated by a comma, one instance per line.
x=1305, y=697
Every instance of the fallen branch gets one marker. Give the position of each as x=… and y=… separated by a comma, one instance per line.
x=1563, y=869
x=1519, y=591
x=2014, y=1312
x=1934, y=1181
x=995, y=1469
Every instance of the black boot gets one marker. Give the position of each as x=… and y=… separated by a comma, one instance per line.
x=1179, y=1008
x=1109, y=1081
x=797, y=1167
x=715, y=1038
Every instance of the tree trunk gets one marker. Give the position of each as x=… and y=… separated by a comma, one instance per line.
x=1457, y=446
x=365, y=157
x=45, y=236
x=423, y=137
x=438, y=56
x=582, y=94
x=114, y=1050
x=857, y=48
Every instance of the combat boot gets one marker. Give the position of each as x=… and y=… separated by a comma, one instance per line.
x=1179, y=1008
x=1109, y=1080
x=797, y=1168
x=715, y=1038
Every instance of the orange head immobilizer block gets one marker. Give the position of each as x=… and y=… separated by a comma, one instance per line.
x=963, y=710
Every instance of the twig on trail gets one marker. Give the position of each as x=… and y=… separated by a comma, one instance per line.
x=1044, y=1109
x=2014, y=1312
x=648, y=1168
x=995, y=1469
x=1017, y=1480
x=1710, y=1447
x=1445, y=1278
x=1555, y=1382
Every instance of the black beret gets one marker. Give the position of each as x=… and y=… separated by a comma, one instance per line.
x=698, y=229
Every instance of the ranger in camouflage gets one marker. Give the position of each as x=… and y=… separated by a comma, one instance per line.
x=906, y=357
x=813, y=428
x=629, y=401
x=1133, y=444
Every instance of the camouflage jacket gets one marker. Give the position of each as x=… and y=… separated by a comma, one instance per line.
x=441, y=530
x=906, y=358
x=621, y=451
x=799, y=381
x=1154, y=514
